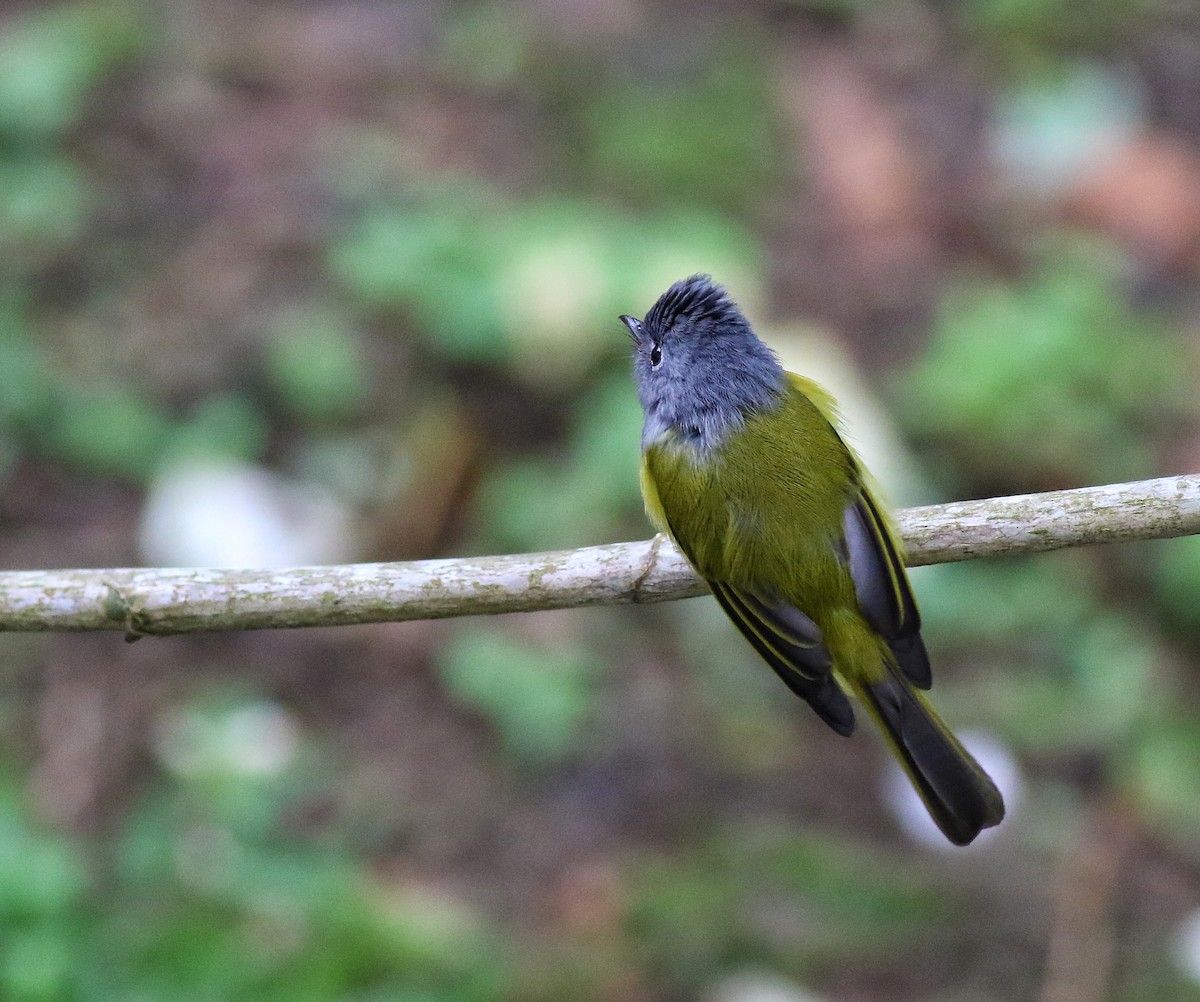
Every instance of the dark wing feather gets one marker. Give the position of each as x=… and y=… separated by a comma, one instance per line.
x=882, y=588
x=791, y=644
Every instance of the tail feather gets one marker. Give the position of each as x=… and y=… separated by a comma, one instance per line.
x=960, y=796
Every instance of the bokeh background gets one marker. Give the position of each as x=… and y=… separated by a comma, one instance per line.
x=300, y=282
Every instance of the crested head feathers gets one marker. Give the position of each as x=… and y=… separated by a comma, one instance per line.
x=697, y=298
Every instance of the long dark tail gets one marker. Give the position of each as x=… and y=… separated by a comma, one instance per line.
x=960, y=796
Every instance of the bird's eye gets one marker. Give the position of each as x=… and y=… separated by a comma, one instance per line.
x=655, y=357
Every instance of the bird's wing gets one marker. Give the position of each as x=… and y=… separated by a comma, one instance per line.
x=783, y=636
x=884, y=596
x=791, y=644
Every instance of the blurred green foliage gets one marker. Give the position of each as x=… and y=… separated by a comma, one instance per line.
x=1063, y=673
x=779, y=898
x=26, y=381
x=111, y=430
x=315, y=363
x=1026, y=36
x=1177, y=579
x=50, y=60
x=1164, y=772
x=537, y=697
x=532, y=286
x=224, y=425
x=434, y=258
x=1054, y=375
x=576, y=499
x=209, y=894
x=42, y=888
x=691, y=123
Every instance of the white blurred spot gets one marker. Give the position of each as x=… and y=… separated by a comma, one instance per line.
x=757, y=986
x=260, y=739
x=254, y=739
x=220, y=514
x=1048, y=133
x=997, y=761
x=1186, y=948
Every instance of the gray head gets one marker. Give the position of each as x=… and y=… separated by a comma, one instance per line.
x=698, y=366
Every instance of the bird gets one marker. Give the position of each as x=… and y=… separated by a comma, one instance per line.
x=745, y=470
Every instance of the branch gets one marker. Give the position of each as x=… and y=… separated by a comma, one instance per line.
x=157, y=601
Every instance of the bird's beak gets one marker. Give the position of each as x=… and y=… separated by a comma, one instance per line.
x=634, y=325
